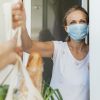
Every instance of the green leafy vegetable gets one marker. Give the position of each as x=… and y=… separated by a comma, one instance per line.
x=49, y=93
x=3, y=91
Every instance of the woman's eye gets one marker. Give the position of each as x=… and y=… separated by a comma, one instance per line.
x=72, y=22
x=83, y=21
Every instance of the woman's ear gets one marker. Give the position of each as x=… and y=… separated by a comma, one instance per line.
x=65, y=27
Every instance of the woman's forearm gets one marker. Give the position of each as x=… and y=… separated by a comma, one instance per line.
x=26, y=40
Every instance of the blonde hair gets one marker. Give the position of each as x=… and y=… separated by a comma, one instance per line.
x=75, y=8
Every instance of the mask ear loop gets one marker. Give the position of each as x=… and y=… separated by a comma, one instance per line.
x=68, y=37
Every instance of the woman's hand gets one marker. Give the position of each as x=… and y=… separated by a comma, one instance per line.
x=18, y=15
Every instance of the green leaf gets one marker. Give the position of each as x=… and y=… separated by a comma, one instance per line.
x=49, y=93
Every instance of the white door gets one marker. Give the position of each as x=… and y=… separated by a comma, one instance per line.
x=94, y=50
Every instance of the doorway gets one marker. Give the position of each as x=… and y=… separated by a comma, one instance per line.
x=47, y=25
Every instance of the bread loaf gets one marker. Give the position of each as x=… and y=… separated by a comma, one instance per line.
x=35, y=69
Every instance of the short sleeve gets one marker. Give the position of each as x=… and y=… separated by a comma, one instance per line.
x=57, y=48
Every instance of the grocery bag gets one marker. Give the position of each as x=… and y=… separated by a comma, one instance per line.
x=21, y=86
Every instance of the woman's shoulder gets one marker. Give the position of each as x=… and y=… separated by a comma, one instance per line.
x=60, y=43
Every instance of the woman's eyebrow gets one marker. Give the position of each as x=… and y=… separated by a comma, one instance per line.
x=83, y=20
x=72, y=21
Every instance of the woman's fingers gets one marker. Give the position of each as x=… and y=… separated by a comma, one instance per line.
x=18, y=15
x=17, y=6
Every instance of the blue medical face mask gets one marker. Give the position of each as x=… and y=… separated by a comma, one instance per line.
x=77, y=31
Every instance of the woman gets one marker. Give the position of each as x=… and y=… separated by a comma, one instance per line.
x=70, y=59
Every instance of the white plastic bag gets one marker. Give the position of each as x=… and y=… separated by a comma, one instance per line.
x=21, y=86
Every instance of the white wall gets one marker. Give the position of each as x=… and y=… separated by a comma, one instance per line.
x=94, y=50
